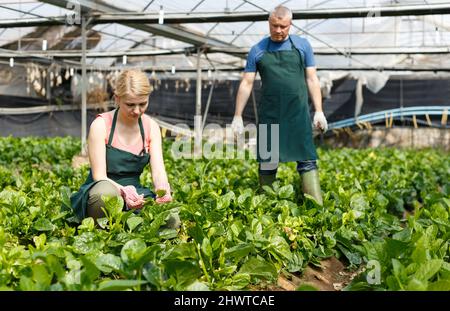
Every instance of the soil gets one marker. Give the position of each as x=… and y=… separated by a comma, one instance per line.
x=332, y=275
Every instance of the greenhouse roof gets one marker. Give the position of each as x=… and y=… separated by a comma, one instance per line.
x=345, y=35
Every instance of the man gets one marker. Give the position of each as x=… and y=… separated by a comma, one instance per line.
x=287, y=69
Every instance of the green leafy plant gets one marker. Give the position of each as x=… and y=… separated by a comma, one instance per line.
x=386, y=212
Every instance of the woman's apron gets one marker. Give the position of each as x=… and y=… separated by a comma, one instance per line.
x=284, y=101
x=122, y=166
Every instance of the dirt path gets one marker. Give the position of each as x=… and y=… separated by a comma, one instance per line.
x=331, y=276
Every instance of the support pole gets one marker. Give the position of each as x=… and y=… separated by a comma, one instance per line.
x=401, y=103
x=208, y=103
x=198, y=109
x=47, y=84
x=83, y=87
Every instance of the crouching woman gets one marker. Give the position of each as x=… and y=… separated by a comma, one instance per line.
x=121, y=143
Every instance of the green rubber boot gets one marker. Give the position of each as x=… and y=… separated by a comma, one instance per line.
x=311, y=185
x=266, y=180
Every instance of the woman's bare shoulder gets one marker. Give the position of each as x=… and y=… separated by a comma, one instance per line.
x=98, y=127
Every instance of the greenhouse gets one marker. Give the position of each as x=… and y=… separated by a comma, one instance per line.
x=175, y=145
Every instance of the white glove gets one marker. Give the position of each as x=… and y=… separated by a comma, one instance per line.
x=237, y=125
x=320, y=121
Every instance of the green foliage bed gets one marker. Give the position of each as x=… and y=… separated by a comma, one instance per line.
x=386, y=207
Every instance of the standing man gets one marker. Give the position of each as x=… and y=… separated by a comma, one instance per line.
x=287, y=69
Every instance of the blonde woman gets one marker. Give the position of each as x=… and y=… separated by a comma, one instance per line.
x=121, y=143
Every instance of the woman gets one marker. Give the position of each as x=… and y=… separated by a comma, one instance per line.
x=121, y=143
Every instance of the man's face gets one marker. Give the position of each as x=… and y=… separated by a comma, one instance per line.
x=279, y=28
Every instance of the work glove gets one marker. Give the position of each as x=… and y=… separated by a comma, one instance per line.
x=320, y=121
x=167, y=197
x=131, y=197
x=237, y=125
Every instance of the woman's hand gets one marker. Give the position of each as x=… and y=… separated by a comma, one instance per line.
x=164, y=199
x=132, y=198
x=163, y=194
x=157, y=165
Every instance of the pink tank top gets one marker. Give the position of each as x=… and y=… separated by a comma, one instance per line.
x=116, y=143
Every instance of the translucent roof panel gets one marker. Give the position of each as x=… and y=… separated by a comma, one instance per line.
x=171, y=6
x=336, y=35
x=8, y=35
x=118, y=37
x=11, y=9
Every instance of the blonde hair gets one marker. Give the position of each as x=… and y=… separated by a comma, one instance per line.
x=132, y=82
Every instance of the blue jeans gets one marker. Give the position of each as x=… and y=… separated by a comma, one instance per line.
x=302, y=167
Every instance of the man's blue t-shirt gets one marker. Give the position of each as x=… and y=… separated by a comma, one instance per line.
x=258, y=50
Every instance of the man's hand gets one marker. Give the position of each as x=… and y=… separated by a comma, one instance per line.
x=131, y=197
x=320, y=121
x=237, y=125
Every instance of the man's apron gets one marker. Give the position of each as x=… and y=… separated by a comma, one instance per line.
x=284, y=101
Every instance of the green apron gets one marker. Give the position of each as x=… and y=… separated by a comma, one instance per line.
x=122, y=166
x=284, y=101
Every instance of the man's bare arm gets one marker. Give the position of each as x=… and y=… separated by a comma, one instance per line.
x=314, y=88
x=245, y=88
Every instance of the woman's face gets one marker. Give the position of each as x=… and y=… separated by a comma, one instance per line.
x=132, y=106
